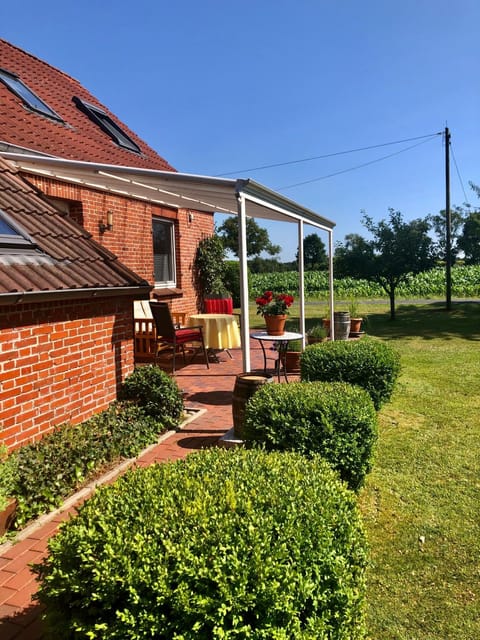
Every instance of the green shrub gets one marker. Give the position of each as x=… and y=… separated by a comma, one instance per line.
x=231, y=278
x=224, y=544
x=369, y=363
x=8, y=473
x=49, y=470
x=336, y=420
x=156, y=392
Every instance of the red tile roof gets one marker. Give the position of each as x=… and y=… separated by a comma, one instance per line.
x=66, y=258
x=78, y=138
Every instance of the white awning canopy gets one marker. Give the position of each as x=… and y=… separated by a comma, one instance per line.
x=240, y=196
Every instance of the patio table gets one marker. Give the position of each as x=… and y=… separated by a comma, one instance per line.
x=281, y=343
x=220, y=330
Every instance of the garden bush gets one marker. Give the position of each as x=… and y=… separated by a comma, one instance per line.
x=156, y=392
x=367, y=362
x=49, y=470
x=335, y=420
x=224, y=544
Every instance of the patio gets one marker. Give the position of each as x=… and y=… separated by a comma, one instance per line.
x=207, y=389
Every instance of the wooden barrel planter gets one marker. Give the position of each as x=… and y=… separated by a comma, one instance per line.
x=341, y=325
x=245, y=386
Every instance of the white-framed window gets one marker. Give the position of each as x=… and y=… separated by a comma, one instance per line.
x=164, y=253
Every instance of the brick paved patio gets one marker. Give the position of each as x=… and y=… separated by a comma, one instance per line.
x=208, y=389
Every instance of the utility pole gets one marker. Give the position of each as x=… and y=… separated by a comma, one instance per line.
x=448, y=223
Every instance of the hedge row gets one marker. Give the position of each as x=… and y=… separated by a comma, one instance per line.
x=336, y=420
x=368, y=363
x=224, y=544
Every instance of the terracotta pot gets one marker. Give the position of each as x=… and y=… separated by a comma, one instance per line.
x=7, y=516
x=275, y=325
x=355, y=325
x=292, y=361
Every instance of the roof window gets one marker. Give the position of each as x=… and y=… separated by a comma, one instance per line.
x=107, y=125
x=30, y=99
x=10, y=236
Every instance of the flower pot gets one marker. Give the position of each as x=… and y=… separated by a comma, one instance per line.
x=275, y=325
x=292, y=361
x=355, y=326
x=7, y=516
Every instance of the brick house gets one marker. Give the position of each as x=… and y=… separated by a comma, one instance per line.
x=73, y=255
x=129, y=200
x=47, y=113
x=65, y=316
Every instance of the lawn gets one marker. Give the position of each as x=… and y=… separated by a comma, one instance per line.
x=421, y=502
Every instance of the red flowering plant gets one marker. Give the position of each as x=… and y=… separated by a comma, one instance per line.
x=273, y=304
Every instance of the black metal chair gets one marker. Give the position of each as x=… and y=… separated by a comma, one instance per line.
x=174, y=336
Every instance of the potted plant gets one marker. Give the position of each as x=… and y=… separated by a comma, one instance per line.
x=209, y=269
x=218, y=299
x=274, y=309
x=8, y=503
x=317, y=333
x=355, y=319
x=292, y=356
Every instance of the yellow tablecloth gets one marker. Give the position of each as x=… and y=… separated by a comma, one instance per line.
x=220, y=330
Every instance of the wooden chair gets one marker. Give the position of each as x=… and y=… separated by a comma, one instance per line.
x=168, y=334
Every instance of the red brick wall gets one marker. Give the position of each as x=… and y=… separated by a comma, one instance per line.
x=60, y=362
x=131, y=237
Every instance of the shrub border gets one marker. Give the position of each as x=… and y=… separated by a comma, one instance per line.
x=85, y=492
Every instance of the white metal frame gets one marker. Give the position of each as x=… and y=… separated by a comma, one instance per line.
x=242, y=197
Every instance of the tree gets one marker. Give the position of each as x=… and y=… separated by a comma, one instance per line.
x=469, y=240
x=314, y=253
x=257, y=238
x=438, y=225
x=397, y=249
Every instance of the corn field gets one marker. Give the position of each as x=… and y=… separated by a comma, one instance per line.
x=428, y=284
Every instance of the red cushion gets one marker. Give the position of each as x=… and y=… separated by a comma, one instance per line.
x=219, y=305
x=187, y=335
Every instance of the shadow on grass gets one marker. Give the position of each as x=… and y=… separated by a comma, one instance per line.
x=428, y=321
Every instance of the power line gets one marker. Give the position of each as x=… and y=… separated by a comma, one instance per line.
x=358, y=166
x=458, y=175
x=327, y=155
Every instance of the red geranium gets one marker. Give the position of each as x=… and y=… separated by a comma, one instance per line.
x=273, y=304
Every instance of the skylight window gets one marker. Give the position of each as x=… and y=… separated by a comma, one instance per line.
x=107, y=125
x=10, y=236
x=30, y=99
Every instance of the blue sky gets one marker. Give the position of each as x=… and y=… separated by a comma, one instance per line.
x=221, y=87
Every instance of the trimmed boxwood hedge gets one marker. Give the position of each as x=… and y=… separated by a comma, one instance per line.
x=156, y=392
x=369, y=363
x=336, y=420
x=224, y=544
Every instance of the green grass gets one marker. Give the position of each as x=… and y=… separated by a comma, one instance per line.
x=421, y=502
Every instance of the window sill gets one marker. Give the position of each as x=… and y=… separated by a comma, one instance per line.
x=167, y=292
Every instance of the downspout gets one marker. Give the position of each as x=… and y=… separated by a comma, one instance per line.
x=301, y=281
x=330, y=284
x=242, y=253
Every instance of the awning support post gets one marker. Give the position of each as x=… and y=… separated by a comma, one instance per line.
x=242, y=253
